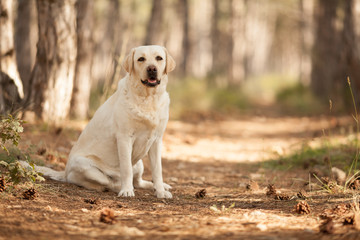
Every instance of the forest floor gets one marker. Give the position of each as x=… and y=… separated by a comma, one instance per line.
x=227, y=158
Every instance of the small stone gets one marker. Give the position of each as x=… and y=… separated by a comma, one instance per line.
x=84, y=210
x=339, y=175
x=252, y=186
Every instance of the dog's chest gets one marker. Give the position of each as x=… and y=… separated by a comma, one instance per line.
x=142, y=143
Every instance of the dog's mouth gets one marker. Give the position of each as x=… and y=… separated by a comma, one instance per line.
x=151, y=82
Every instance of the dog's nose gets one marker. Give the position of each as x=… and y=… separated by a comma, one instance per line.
x=152, y=70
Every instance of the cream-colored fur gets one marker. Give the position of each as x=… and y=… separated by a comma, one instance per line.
x=126, y=128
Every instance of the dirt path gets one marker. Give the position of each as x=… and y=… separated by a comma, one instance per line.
x=221, y=157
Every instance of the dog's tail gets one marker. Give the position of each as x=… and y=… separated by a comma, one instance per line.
x=48, y=172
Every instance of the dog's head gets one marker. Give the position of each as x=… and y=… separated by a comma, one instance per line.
x=149, y=64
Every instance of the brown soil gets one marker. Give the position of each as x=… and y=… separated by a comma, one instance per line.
x=222, y=157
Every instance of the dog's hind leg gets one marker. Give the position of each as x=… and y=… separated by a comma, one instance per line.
x=138, y=170
x=84, y=172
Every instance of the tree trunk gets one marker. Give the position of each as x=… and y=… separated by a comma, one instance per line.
x=325, y=57
x=236, y=65
x=82, y=82
x=216, y=41
x=154, y=28
x=350, y=61
x=306, y=38
x=25, y=39
x=200, y=59
x=53, y=74
x=10, y=82
x=184, y=6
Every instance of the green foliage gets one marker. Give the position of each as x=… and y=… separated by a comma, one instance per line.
x=298, y=99
x=229, y=99
x=16, y=173
x=340, y=156
x=10, y=129
x=195, y=95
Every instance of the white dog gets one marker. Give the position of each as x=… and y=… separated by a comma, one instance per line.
x=126, y=128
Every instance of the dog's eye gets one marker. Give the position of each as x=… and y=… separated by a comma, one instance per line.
x=141, y=59
x=158, y=58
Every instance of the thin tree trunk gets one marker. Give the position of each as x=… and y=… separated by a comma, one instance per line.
x=200, y=59
x=184, y=7
x=325, y=56
x=154, y=28
x=306, y=39
x=215, y=37
x=350, y=61
x=236, y=66
x=25, y=39
x=53, y=74
x=10, y=82
x=82, y=81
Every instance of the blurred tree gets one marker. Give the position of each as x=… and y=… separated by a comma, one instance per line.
x=325, y=52
x=11, y=86
x=25, y=38
x=184, y=8
x=154, y=30
x=305, y=25
x=200, y=29
x=236, y=63
x=51, y=82
x=350, y=61
x=215, y=42
x=82, y=82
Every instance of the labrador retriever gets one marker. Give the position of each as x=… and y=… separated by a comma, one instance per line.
x=126, y=128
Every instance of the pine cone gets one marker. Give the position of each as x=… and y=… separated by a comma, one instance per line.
x=30, y=194
x=355, y=185
x=91, y=201
x=41, y=151
x=2, y=184
x=302, y=208
x=301, y=195
x=107, y=216
x=271, y=190
x=282, y=197
x=353, y=219
x=201, y=193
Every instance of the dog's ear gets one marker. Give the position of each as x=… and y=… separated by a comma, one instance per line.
x=170, y=62
x=128, y=63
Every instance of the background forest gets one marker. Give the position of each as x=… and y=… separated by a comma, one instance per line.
x=63, y=58
x=263, y=137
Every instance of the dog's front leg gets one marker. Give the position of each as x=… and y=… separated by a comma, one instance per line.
x=126, y=174
x=156, y=170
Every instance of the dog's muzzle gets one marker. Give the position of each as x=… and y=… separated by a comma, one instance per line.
x=152, y=80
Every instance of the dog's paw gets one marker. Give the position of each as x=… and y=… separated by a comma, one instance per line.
x=167, y=186
x=163, y=194
x=126, y=193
